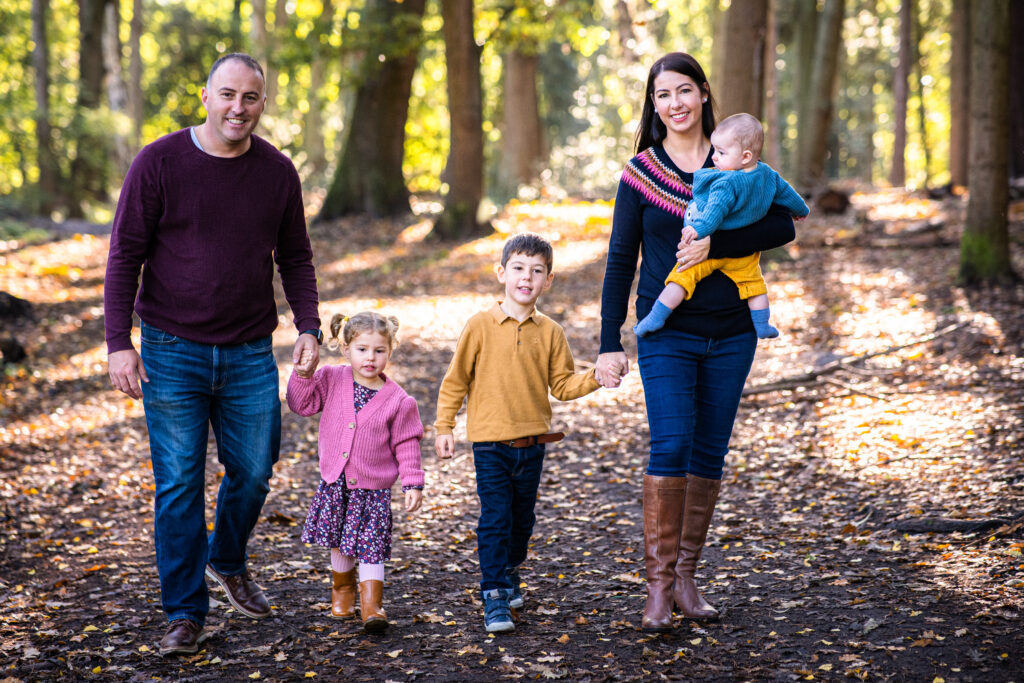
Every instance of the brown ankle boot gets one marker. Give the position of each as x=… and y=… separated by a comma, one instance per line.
x=343, y=594
x=698, y=506
x=663, y=504
x=371, y=596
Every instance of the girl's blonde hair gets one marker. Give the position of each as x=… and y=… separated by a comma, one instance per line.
x=360, y=323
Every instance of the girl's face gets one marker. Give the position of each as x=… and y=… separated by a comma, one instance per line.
x=368, y=354
x=677, y=99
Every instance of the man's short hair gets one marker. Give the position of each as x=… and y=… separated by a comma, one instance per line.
x=528, y=244
x=746, y=129
x=248, y=60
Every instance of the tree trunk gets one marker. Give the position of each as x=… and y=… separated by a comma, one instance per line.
x=959, y=92
x=898, y=173
x=88, y=168
x=322, y=51
x=719, y=44
x=49, y=169
x=985, y=247
x=522, y=142
x=773, y=131
x=627, y=36
x=465, y=168
x=261, y=41
x=922, y=117
x=806, y=31
x=742, y=72
x=1016, y=95
x=135, y=94
x=117, y=91
x=815, y=135
x=369, y=175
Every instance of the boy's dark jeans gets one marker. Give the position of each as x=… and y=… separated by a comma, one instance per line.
x=506, y=482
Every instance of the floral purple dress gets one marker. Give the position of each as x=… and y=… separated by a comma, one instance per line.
x=356, y=521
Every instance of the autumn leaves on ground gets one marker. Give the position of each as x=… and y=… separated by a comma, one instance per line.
x=901, y=412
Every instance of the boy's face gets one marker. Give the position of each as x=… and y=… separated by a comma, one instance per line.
x=525, y=278
x=728, y=155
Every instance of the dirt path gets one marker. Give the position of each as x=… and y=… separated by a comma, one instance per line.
x=814, y=579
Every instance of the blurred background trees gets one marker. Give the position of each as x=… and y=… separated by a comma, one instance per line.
x=474, y=102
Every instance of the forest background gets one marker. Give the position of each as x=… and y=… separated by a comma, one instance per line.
x=870, y=527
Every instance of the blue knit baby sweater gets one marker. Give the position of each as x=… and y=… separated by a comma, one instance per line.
x=735, y=199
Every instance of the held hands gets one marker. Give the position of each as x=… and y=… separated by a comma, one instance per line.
x=611, y=368
x=305, y=355
x=125, y=369
x=413, y=498
x=692, y=253
x=444, y=446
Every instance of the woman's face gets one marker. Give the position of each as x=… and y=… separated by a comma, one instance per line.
x=677, y=99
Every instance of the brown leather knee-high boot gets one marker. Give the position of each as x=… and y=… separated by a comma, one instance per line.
x=371, y=599
x=343, y=594
x=663, y=505
x=698, y=506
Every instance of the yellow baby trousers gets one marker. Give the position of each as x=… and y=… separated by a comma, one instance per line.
x=745, y=272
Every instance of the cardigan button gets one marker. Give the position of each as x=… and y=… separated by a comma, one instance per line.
x=345, y=454
x=352, y=481
x=351, y=425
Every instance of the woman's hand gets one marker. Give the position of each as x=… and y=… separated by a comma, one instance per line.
x=611, y=368
x=693, y=253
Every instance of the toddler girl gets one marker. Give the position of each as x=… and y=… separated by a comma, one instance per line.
x=369, y=434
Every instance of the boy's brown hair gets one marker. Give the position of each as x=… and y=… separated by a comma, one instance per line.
x=528, y=244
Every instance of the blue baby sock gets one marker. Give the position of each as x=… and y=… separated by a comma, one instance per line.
x=763, y=328
x=653, y=321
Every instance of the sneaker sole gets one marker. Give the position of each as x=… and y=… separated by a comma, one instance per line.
x=231, y=599
x=501, y=627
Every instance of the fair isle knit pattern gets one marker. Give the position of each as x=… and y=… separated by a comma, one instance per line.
x=648, y=175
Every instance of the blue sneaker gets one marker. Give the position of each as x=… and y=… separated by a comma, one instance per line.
x=516, y=599
x=497, y=615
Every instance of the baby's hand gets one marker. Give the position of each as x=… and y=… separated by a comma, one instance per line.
x=444, y=446
x=413, y=498
x=689, y=234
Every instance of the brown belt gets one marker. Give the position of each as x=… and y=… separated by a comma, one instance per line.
x=528, y=441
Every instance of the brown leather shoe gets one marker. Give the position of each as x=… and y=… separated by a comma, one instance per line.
x=663, y=511
x=343, y=594
x=182, y=638
x=371, y=597
x=243, y=593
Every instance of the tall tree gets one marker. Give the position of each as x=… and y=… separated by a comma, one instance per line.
x=985, y=246
x=959, y=92
x=465, y=168
x=117, y=90
x=773, y=138
x=89, y=166
x=1016, y=96
x=135, y=94
x=369, y=175
x=742, y=73
x=900, y=94
x=814, y=133
x=522, y=137
x=49, y=170
x=314, y=137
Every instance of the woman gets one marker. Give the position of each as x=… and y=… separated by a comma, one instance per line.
x=694, y=368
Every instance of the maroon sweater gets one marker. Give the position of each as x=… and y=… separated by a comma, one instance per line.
x=206, y=232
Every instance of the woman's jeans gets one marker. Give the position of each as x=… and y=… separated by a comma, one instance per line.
x=192, y=387
x=507, y=480
x=692, y=387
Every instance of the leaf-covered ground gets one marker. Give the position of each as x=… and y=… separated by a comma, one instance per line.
x=812, y=556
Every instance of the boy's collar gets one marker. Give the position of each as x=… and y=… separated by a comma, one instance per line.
x=500, y=315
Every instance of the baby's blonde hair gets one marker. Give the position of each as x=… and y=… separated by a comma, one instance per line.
x=360, y=323
x=747, y=130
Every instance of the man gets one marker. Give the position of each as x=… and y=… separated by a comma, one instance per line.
x=205, y=213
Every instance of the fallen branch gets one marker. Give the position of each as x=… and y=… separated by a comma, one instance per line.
x=816, y=375
x=925, y=525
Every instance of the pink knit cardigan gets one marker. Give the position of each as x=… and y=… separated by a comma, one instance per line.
x=369, y=449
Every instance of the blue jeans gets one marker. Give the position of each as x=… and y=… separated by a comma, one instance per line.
x=507, y=480
x=192, y=387
x=692, y=387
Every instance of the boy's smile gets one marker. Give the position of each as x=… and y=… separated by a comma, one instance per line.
x=525, y=279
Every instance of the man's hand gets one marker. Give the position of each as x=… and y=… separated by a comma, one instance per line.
x=125, y=369
x=444, y=446
x=413, y=498
x=305, y=355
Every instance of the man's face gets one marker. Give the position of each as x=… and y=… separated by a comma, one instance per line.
x=234, y=101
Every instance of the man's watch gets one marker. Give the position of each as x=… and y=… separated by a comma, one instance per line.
x=317, y=334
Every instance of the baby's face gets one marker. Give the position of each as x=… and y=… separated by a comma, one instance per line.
x=728, y=155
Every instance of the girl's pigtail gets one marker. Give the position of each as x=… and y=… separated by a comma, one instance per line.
x=393, y=330
x=336, y=327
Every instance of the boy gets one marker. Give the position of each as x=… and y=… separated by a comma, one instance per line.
x=506, y=361
x=724, y=200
